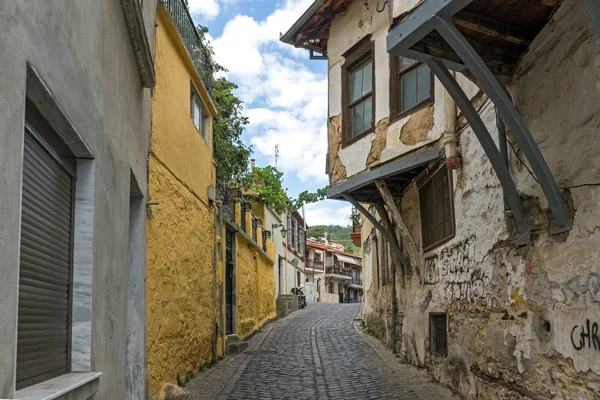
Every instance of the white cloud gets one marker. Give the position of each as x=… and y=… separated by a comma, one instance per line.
x=207, y=8
x=328, y=212
x=286, y=101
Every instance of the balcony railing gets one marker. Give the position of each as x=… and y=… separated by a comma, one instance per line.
x=338, y=271
x=356, y=281
x=191, y=38
x=226, y=197
x=315, y=264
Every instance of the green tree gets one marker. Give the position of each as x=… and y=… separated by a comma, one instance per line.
x=267, y=183
x=231, y=154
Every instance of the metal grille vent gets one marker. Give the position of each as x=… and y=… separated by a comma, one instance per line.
x=437, y=214
x=438, y=334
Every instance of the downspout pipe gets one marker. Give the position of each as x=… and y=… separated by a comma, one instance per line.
x=450, y=139
x=502, y=145
x=215, y=323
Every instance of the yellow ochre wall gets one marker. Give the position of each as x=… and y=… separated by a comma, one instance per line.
x=180, y=228
x=254, y=278
x=255, y=287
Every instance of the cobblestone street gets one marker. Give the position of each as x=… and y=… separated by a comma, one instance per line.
x=316, y=353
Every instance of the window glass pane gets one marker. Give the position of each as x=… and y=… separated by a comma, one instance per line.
x=424, y=82
x=355, y=84
x=197, y=113
x=367, y=77
x=408, y=84
x=357, y=119
x=405, y=63
x=368, y=113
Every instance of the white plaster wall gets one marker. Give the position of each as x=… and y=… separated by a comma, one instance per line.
x=334, y=79
x=403, y=6
x=354, y=157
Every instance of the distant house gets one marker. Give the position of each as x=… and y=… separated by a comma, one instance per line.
x=339, y=278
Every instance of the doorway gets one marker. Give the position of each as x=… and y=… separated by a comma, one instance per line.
x=229, y=282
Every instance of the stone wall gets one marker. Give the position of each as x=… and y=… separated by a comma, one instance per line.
x=521, y=321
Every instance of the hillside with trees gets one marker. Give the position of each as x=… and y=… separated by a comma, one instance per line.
x=337, y=233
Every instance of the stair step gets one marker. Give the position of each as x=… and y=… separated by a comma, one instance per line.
x=236, y=347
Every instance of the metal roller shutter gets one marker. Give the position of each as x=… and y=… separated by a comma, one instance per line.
x=43, y=340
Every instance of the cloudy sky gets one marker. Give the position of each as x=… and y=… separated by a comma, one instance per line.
x=285, y=93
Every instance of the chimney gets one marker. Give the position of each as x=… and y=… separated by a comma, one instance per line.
x=253, y=163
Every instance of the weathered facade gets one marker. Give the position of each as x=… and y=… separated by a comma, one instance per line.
x=493, y=307
x=74, y=139
x=338, y=277
x=183, y=271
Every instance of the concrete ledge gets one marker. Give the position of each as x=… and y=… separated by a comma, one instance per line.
x=73, y=386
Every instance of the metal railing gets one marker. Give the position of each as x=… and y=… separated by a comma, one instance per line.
x=338, y=271
x=191, y=38
x=357, y=281
x=225, y=196
x=314, y=264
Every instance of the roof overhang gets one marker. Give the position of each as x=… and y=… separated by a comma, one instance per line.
x=397, y=174
x=348, y=260
x=311, y=31
x=498, y=30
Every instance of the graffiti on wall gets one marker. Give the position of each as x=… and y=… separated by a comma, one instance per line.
x=455, y=269
x=586, y=288
x=585, y=336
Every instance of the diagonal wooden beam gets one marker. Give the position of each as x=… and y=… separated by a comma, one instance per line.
x=489, y=27
x=411, y=244
x=386, y=234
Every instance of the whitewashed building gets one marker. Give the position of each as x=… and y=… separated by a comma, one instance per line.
x=466, y=131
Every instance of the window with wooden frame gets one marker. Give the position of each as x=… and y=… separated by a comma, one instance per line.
x=411, y=86
x=198, y=114
x=358, y=91
x=437, y=208
x=438, y=334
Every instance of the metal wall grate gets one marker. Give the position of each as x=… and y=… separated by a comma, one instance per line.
x=437, y=214
x=438, y=334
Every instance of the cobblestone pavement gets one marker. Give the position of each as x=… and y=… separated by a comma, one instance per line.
x=316, y=353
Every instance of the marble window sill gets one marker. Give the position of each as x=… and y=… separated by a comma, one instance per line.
x=75, y=385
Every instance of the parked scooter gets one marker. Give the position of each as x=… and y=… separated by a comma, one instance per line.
x=299, y=291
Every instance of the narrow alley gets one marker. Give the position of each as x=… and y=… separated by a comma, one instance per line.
x=318, y=353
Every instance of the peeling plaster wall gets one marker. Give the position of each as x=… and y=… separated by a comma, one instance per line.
x=521, y=321
x=425, y=125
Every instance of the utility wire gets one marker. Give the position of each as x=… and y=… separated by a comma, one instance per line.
x=536, y=179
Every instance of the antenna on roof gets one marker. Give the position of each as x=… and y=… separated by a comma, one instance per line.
x=276, y=154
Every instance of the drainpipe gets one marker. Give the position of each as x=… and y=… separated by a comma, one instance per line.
x=450, y=139
x=223, y=323
x=215, y=324
x=503, y=147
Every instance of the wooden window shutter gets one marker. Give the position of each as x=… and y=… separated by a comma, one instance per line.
x=44, y=315
x=437, y=212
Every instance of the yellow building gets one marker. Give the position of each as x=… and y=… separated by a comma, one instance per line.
x=249, y=261
x=183, y=271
